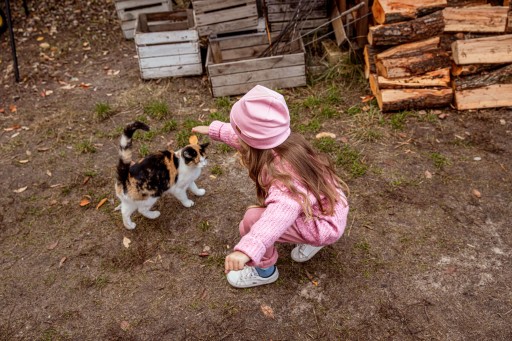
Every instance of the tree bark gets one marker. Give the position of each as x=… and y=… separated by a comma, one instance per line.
x=491, y=50
x=498, y=76
x=404, y=99
x=464, y=3
x=467, y=70
x=433, y=79
x=390, y=11
x=369, y=59
x=405, y=32
x=475, y=19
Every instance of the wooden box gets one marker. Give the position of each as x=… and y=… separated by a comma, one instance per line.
x=168, y=45
x=236, y=64
x=225, y=16
x=280, y=12
x=129, y=10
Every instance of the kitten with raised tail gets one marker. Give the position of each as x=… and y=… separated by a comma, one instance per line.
x=139, y=185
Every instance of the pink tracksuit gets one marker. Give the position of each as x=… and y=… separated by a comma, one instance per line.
x=283, y=219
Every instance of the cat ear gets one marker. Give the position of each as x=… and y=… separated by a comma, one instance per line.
x=193, y=139
x=204, y=145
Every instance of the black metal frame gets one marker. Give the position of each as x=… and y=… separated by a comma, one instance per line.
x=11, y=35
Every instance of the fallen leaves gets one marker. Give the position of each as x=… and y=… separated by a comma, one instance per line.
x=102, y=201
x=53, y=245
x=126, y=242
x=86, y=200
x=62, y=260
x=267, y=311
x=21, y=190
x=476, y=193
x=325, y=134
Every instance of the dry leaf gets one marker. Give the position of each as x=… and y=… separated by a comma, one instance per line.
x=124, y=325
x=428, y=175
x=43, y=149
x=53, y=245
x=62, y=260
x=13, y=108
x=267, y=311
x=367, y=98
x=193, y=139
x=48, y=173
x=102, y=201
x=44, y=46
x=325, y=134
x=86, y=180
x=477, y=193
x=23, y=161
x=19, y=190
x=40, y=38
x=14, y=127
x=86, y=200
x=126, y=242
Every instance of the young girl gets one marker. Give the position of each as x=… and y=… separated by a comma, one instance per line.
x=300, y=196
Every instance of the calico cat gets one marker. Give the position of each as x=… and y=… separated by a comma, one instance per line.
x=139, y=185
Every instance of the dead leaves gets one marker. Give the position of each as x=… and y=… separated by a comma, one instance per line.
x=126, y=242
x=20, y=190
x=267, y=311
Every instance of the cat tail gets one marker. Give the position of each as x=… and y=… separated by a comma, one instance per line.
x=125, y=150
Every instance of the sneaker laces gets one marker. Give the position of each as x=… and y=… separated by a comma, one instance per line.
x=248, y=272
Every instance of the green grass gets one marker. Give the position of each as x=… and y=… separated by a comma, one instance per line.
x=217, y=170
x=103, y=111
x=85, y=147
x=204, y=225
x=326, y=145
x=312, y=126
x=397, y=121
x=90, y=173
x=223, y=103
x=224, y=148
x=439, y=160
x=311, y=102
x=144, y=150
x=182, y=138
x=157, y=109
x=328, y=112
x=169, y=126
x=350, y=160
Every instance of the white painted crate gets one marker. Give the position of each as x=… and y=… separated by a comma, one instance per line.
x=167, y=45
x=129, y=10
x=214, y=17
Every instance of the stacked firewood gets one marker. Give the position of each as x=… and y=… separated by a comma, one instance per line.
x=437, y=53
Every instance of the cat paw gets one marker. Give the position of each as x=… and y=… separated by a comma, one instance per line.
x=130, y=226
x=188, y=203
x=151, y=214
x=200, y=192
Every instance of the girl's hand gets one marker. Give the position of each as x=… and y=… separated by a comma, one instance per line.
x=235, y=261
x=201, y=130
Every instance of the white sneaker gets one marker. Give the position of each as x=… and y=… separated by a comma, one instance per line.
x=249, y=277
x=304, y=252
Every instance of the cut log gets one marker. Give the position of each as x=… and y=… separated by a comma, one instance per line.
x=492, y=96
x=404, y=99
x=390, y=11
x=509, y=20
x=405, y=32
x=409, y=49
x=491, y=50
x=413, y=65
x=466, y=70
x=465, y=3
x=475, y=19
x=502, y=75
x=369, y=53
x=437, y=78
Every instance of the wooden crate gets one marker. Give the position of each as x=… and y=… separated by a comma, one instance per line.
x=280, y=12
x=225, y=16
x=234, y=64
x=129, y=10
x=168, y=45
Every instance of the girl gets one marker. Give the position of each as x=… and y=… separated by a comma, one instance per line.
x=300, y=196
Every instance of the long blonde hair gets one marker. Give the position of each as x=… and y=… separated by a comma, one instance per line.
x=314, y=171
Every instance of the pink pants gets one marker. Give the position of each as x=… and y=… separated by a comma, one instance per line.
x=252, y=215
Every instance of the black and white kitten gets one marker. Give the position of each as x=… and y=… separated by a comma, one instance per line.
x=140, y=184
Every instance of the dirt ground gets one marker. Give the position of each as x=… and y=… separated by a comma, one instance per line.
x=426, y=254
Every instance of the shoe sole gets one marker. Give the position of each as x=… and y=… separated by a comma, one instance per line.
x=269, y=280
x=302, y=260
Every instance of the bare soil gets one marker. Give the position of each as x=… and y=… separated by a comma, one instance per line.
x=426, y=254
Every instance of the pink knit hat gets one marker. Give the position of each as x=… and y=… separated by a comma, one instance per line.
x=262, y=117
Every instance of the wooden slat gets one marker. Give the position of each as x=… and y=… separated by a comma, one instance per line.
x=167, y=49
x=255, y=64
x=271, y=83
x=202, y=6
x=493, y=96
x=175, y=60
x=172, y=71
x=133, y=14
x=128, y=4
x=258, y=76
x=227, y=15
x=230, y=26
x=166, y=37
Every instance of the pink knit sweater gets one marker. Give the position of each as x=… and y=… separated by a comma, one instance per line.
x=282, y=211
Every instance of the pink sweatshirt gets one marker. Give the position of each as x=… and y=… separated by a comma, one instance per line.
x=282, y=211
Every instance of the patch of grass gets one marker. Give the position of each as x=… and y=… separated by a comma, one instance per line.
x=217, y=170
x=103, y=111
x=397, y=121
x=354, y=110
x=311, y=102
x=169, y=126
x=98, y=282
x=145, y=135
x=363, y=246
x=219, y=116
x=350, y=160
x=141, y=118
x=312, y=126
x=189, y=124
x=182, y=138
x=325, y=144
x=334, y=96
x=223, y=103
x=144, y=150
x=204, y=225
x=224, y=148
x=157, y=109
x=90, y=173
x=439, y=160
x=85, y=147
x=328, y=112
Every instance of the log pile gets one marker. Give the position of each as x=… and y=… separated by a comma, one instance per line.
x=440, y=53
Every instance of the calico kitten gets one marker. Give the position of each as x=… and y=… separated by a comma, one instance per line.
x=140, y=184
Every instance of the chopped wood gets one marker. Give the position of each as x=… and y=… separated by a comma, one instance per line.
x=405, y=32
x=437, y=78
x=369, y=53
x=403, y=99
x=466, y=70
x=475, y=19
x=465, y=3
x=408, y=49
x=498, y=76
x=509, y=21
x=492, y=96
x=491, y=50
x=390, y=11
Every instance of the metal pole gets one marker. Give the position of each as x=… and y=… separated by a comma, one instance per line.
x=13, y=44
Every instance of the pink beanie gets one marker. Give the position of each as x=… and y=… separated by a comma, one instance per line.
x=262, y=117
